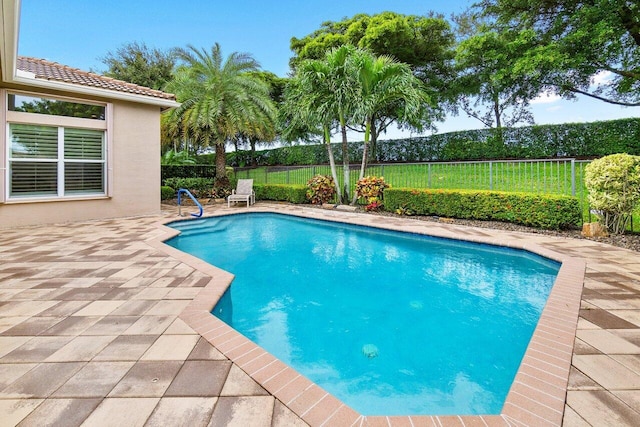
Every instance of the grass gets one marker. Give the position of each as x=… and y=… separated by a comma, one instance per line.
x=549, y=177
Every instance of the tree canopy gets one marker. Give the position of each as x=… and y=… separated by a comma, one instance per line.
x=588, y=47
x=136, y=63
x=489, y=89
x=424, y=42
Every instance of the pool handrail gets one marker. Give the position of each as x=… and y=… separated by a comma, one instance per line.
x=184, y=190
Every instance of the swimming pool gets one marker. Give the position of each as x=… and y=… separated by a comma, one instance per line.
x=469, y=373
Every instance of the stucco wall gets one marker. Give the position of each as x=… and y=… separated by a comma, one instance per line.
x=134, y=175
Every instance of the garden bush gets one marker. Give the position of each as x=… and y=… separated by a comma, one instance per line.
x=281, y=192
x=320, y=189
x=199, y=187
x=613, y=183
x=167, y=192
x=371, y=188
x=535, y=210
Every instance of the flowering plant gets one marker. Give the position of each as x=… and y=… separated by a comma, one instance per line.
x=374, y=205
x=321, y=189
x=371, y=187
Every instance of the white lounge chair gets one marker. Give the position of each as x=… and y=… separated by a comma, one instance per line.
x=243, y=193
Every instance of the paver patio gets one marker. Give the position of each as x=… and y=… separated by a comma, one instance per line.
x=95, y=330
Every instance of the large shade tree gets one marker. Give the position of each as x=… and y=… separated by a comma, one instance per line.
x=425, y=43
x=573, y=41
x=139, y=64
x=489, y=89
x=220, y=99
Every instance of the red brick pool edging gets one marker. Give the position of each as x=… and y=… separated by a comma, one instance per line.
x=537, y=395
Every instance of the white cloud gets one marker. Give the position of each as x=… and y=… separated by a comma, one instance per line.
x=554, y=108
x=545, y=98
x=601, y=77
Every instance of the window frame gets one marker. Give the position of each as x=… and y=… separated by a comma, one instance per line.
x=7, y=118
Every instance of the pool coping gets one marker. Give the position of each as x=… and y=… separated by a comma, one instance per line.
x=536, y=397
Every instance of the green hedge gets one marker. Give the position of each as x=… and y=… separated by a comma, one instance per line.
x=187, y=171
x=199, y=187
x=535, y=210
x=281, y=192
x=581, y=140
x=167, y=192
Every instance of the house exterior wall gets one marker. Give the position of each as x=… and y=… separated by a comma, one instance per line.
x=133, y=173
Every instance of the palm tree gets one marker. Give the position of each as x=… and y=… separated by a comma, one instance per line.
x=385, y=85
x=308, y=107
x=219, y=100
x=324, y=93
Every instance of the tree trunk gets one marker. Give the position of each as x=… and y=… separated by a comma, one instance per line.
x=332, y=163
x=496, y=112
x=222, y=180
x=365, y=154
x=253, y=160
x=373, y=152
x=345, y=164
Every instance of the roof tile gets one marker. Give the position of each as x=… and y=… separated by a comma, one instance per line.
x=48, y=70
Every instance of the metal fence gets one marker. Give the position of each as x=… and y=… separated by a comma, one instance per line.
x=558, y=176
x=548, y=176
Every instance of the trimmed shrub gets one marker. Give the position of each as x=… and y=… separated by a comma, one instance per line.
x=187, y=171
x=321, y=189
x=281, y=192
x=167, y=192
x=613, y=183
x=199, y=187
x=535, y=210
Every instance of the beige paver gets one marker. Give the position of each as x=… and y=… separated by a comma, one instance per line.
x=41, y=381
x=607, y=342
x=238, y=383
x=15, y=410
x=81, y=348
x=607, y=372
x=147, y=379
x=99, y=308
x=117, y=412
x=600, y=408
x=243, y=412
x=200, y=378
x=126, y=347
x=182, y=411
x=61, y=413
x=171, y=347
x=95, y=379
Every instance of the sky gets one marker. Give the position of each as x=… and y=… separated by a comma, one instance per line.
x=78, y=33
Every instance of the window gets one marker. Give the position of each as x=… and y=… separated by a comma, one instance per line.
x=47, y=159
x=54, y=107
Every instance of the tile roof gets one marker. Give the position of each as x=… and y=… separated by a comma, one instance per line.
x=53, y=71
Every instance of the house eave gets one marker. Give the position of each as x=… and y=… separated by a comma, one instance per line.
x=9, y=22
x=94, y=91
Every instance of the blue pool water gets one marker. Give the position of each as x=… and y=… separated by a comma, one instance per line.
x=390, y=323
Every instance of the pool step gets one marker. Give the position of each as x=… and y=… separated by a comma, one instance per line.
x=189, y=228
